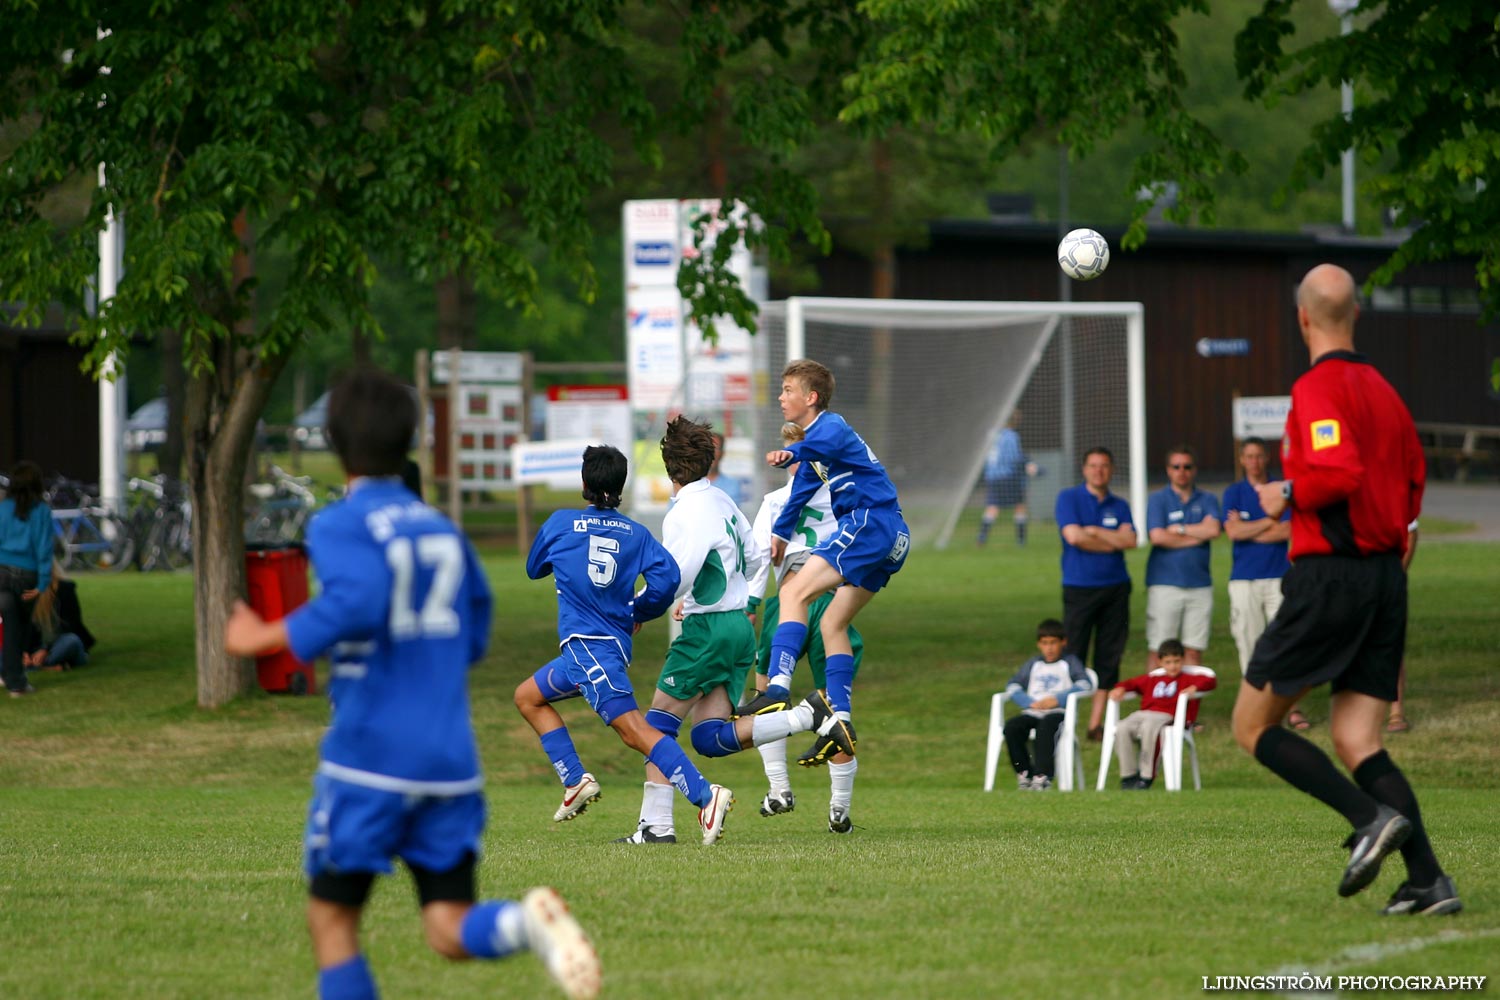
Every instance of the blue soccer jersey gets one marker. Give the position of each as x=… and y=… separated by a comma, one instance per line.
x=833, y=453
x=1254, y=560
x=403, y=611
x=596, y=556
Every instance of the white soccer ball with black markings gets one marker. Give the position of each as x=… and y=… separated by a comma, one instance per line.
x=1083, y=255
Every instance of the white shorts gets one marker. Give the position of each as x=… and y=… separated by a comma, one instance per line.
x=1182, y=613
x=1252, y=605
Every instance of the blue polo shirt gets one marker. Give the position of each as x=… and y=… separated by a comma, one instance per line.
x=1179, y=567
x=1076, y=505
x=1255, y=560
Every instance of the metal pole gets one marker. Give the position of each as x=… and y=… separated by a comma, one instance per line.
x=112, y=372
x=1065, y=397
x=1345, y=10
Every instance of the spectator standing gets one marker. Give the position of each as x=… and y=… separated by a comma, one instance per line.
x=25, y=567
x=1181, y=520
x=1354, y=480
x=1005, y=472
x=1259, y=546
x=1097, y=530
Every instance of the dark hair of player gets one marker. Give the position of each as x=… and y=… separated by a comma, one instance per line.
x=687, y=450
x=1170, y=647
x=1051, y=628
x=371, y=419
x=814, y=377
x=604, y=470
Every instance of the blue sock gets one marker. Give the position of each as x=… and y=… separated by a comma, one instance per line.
x=488, y=929
x=786, y=646
x=349, y=980
x=558, y=746
x=840, y=677
x=663, y=722
x=670, y=760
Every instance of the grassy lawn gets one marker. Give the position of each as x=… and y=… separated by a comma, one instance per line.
x=153, y=849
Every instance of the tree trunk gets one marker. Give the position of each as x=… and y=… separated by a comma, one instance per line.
x=224, y=402
x=455, y=311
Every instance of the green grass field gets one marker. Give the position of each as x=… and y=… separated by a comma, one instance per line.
x=152, y=849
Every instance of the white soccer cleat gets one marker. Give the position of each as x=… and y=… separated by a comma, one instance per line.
x=576, y=798
x=711, y=817
x=557, y=939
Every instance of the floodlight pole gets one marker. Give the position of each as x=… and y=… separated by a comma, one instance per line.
x=112, y=371
x=1345, y=11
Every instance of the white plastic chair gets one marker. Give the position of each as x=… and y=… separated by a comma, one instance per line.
x=1174, y=737
x=1069, y=765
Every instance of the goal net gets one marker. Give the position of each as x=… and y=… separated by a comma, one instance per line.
x=928, y=385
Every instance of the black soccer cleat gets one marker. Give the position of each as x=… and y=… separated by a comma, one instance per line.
x=1368, y=847
x=839, y=738
x=762, y=704
x=776, y=803
x=1437, y=899
x=821, y=708
x=839, y=821
x=644, y=836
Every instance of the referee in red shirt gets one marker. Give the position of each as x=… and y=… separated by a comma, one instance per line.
x=1354, y=479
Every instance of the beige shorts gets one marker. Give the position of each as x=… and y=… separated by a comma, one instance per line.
x=1252, y=605
x=1182, y=613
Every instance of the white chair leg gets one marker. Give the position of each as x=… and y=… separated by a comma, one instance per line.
x=1067, y=745
x=1193, y=750
x=992, y=746
x=1107, y=745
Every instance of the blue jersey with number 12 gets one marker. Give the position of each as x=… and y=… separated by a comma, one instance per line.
x=403, y=611
x=596, y=556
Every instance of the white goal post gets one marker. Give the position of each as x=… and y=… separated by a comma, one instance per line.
x=928, y=384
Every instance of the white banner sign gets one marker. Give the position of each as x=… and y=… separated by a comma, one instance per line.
x=653, y=347
x=651, y=251
x=1261, y=416
x=478, y=366
x=558, y=464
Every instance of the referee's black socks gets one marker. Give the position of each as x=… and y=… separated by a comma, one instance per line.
x=1383, y=781
x=1302, y=765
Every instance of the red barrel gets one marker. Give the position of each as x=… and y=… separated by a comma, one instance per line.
x=276, y=581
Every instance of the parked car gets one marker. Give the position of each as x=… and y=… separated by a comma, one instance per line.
x=308, y=427
x=146, y=430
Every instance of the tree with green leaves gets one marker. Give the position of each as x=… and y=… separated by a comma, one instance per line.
x=1426, y=118
x=451, y=137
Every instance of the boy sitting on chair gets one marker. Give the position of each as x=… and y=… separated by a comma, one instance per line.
x=1041, y=688
x=1158, y=691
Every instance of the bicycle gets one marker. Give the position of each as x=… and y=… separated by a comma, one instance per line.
x=87, y=534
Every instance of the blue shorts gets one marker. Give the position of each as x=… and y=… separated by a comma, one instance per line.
x=355, y=829
x=869, y=547
x=594, y=668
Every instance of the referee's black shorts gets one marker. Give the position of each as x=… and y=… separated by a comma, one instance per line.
x=1342, y=620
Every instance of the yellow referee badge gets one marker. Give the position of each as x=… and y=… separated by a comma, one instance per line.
x=1325, y=434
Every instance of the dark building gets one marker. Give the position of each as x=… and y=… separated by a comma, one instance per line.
x=49, y=409
x=1424, y=332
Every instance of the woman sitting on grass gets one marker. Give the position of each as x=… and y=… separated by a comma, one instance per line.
x=56, y=635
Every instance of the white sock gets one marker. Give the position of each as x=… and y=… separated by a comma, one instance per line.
x=773, y=756
x=780, y=725
x=656, y=807
x=841, y=777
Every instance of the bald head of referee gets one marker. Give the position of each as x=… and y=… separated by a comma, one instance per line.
x=1326, y=310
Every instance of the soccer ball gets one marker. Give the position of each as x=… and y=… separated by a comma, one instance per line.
x=1083, y=255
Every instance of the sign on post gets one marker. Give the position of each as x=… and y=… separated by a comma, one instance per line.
x=1261, y=416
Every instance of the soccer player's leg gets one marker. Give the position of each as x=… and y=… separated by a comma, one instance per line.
x=350, y=837
x=440, y=848
x=790, y=639
x=533, y=698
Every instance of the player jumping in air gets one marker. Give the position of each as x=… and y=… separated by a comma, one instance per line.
x=869, y=547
